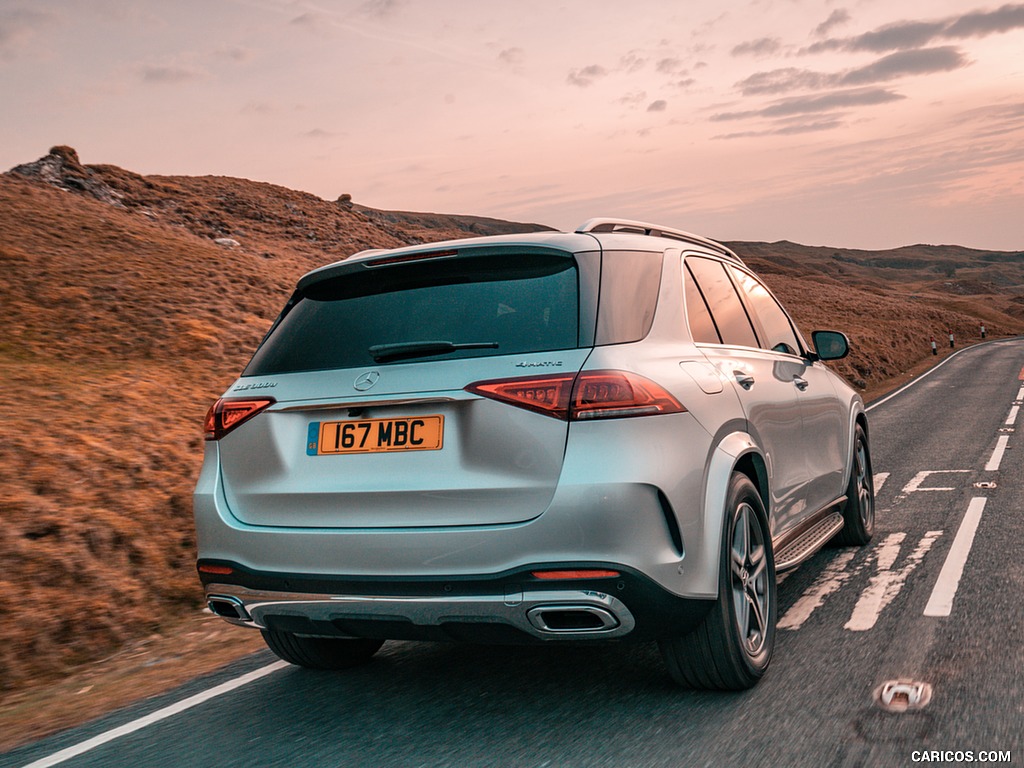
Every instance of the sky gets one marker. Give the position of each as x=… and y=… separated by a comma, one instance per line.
x=849, y=123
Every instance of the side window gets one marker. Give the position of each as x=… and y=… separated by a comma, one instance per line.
x=726, y=308
x=776, y=330
x=702, y=326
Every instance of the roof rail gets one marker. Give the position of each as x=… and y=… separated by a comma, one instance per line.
x=626, y=226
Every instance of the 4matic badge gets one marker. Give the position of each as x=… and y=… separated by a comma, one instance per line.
x=544, y=364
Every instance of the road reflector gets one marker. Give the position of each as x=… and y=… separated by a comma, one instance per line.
x=903, y=695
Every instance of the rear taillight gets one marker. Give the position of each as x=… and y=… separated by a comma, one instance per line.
x=225, y=415
x=587, y=395
x=545, y=394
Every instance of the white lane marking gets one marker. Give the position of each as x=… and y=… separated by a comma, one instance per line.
x=154, y=717
x=830, y=580
x=1012, y=418
x=879, y=480
x=920, y=477
x=997, y=454
x=887, y=583
x=1020, y=393
x=941, y=601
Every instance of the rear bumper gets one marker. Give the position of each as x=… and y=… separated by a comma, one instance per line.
x=511, y=608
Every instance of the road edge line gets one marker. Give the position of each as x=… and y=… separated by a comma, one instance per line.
x=155, y=717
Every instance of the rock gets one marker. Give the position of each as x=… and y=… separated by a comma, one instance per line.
x=227, y=242
x=62, y=169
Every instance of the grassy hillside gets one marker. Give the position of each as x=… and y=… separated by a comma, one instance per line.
x=123, y=319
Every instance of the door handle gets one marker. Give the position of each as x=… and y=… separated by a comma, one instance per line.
x=744, y=379
x=801, y=384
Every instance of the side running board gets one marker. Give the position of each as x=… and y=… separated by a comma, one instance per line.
x=807, y=543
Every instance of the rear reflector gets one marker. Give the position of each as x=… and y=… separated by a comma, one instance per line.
x=595, y=573
x=226, y=415
x=217, y=570
x=587, y=395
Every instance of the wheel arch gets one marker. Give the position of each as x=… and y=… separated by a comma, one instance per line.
x=736, y=452
x=858, y=418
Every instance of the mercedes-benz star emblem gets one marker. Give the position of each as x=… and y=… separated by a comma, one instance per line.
x=366, y=380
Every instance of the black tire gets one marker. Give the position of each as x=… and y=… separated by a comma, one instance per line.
x=859, y=510
x=731, y=648
x=320, y=652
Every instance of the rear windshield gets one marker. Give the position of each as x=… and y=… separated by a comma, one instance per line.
x=471, y=306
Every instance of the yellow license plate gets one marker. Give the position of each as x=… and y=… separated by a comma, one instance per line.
x=419, y=433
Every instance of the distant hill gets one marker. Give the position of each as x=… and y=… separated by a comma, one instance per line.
x=129, y=302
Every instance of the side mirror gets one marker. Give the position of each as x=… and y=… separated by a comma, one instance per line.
x=830, y=345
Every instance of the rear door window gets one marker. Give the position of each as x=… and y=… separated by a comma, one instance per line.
x=504, y=304
x=702, y=325
x=730, y=317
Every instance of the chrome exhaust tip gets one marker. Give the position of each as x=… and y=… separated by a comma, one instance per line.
x=227, y=607
x=571, y=619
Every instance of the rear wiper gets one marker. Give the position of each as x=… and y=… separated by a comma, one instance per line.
x=397, y=351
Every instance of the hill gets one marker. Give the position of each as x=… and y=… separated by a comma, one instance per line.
x=130, y=302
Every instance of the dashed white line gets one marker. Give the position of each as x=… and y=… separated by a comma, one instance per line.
x=879, y=480
x=1012, y=418
x=154, y=717
x=997, y=454
x=941, y=601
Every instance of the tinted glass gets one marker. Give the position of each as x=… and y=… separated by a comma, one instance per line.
x=518, y=302
x=723, y=301
x=702, y=327
x=630, y=281
x=776, y=329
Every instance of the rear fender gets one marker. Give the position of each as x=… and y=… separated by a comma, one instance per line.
x=703, y=561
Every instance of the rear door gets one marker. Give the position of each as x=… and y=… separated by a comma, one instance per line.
x=372, y=426
x=762, y=378
x=823, y=416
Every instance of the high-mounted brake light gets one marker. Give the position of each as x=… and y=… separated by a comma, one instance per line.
x=384, y=261
x=587, y=395
x=227, y=414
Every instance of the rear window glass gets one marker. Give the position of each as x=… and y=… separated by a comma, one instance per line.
x=508, y=304
x=630, y=281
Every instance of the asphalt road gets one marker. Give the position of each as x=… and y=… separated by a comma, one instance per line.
x=850, y=620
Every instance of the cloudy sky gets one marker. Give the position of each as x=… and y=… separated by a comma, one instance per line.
x=857, y=123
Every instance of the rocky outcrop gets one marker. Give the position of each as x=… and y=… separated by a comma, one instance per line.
x=61, y=168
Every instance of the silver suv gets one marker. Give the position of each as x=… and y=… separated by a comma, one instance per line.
x=616, y=433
